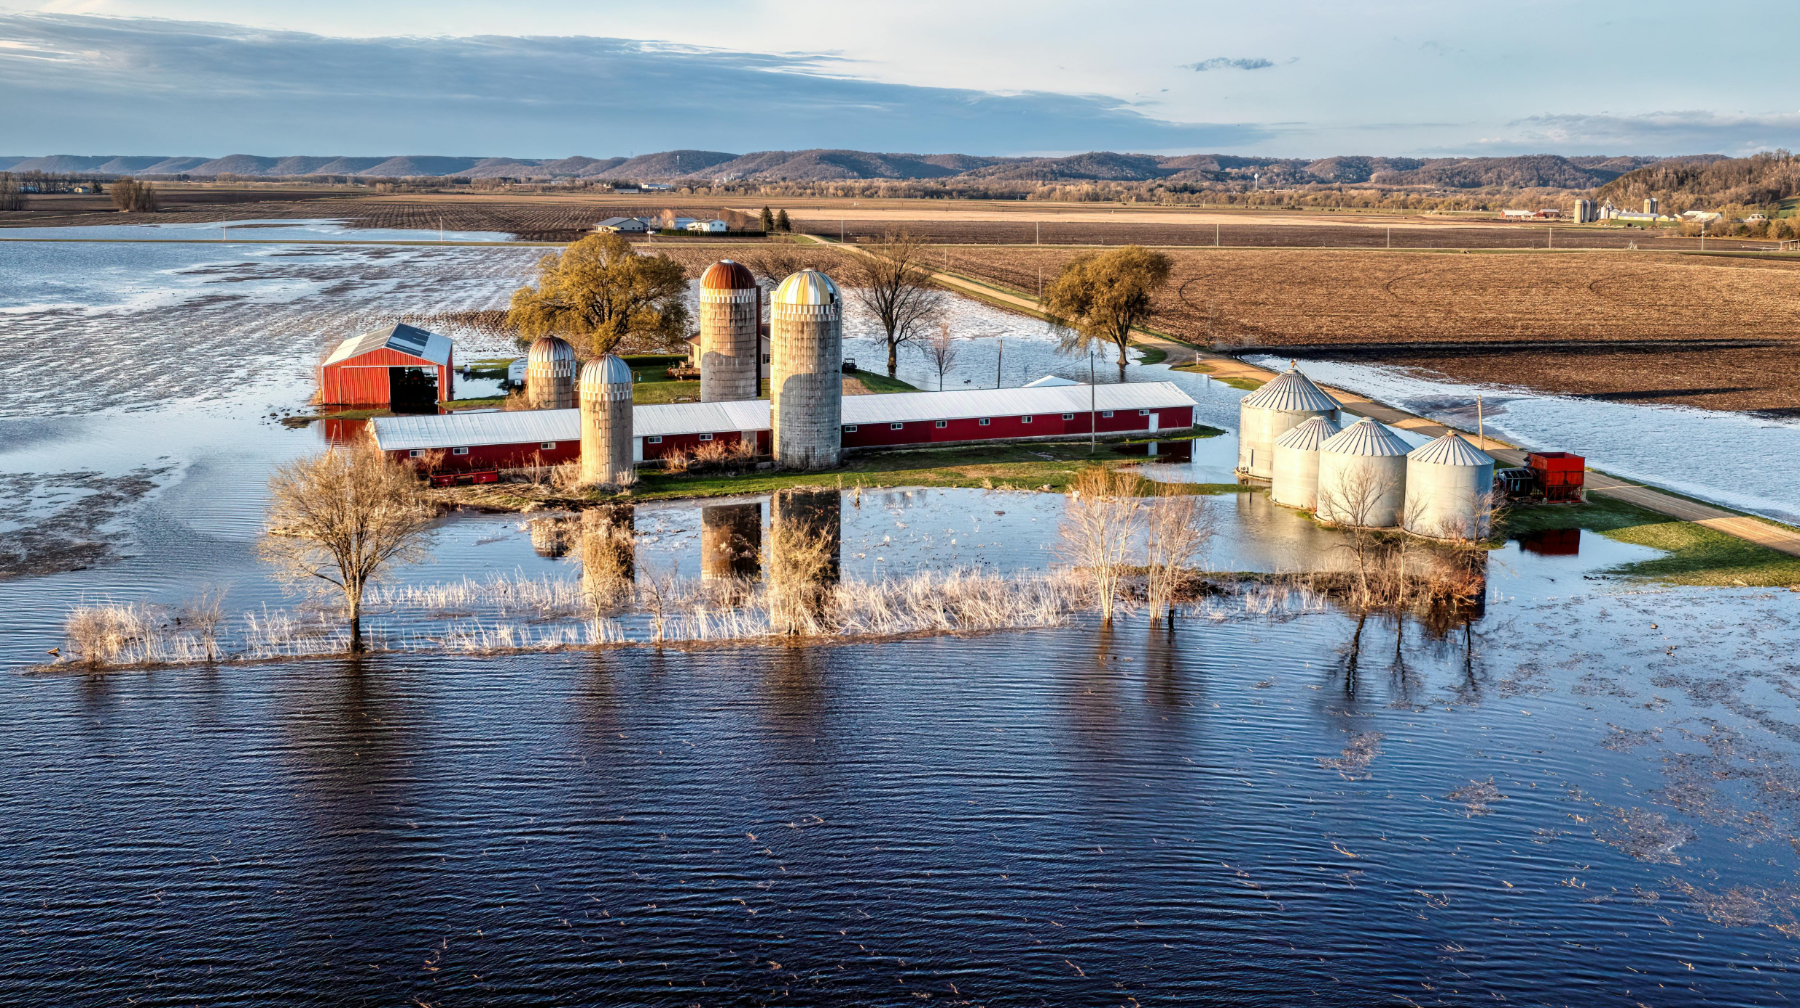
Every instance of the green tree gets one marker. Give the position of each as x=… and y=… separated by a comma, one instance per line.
x=1100, y=296
x=782, y=223
x=599, y=292
x=768, y=220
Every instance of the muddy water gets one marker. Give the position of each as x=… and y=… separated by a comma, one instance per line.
x=1583, y=796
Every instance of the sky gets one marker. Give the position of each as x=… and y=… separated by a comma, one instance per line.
x=1300, y=78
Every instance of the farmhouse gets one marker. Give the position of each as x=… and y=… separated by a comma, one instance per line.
x=714, y=226
x=401, y=368
x=622, y=225
x=512, y=439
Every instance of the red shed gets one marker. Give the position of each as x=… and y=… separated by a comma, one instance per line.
x=403, y=368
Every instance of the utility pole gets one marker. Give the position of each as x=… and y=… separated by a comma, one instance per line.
x=840, y=230
x=1550, y=242
x=1040, y=283
x=1093, y=412
x=1215, y=234
x=999, y=359
x=1480, y=427
x=1040, y=233
x=1390, y=237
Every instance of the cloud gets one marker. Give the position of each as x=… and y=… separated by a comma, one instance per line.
x=1224, y=63
x=81, y=84
x=1685, y=132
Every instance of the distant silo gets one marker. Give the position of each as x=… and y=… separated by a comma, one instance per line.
x=1272, y=411
x=730, y=333
x=1362, y=476
x=806, y=371
x=1449, y=490
x=550, y=374
x=1295, y=479
x=1650, y=205
x=606, y=422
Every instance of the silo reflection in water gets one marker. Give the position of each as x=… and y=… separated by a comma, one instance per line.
x=550, y=536
x=806, y=540
x=731, y=542
x=609, y=554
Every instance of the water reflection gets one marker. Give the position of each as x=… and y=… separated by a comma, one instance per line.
x=731, y=542
x=1552, y=542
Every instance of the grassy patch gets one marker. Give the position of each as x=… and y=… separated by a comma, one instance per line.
x=1697, y=555
x=1152, y=355
x=664, y=390
x=463, y=404
x=881, y=383
x=1247, y=384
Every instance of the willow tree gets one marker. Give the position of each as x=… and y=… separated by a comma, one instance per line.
x=599, y=292
x=1101, y=296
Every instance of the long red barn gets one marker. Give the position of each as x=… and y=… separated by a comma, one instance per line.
x=509, y=439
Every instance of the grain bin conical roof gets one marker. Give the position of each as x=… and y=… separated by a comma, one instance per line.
x=1365, y=437
x=1291, y=392
x=1312, y=432
x=1451, y=450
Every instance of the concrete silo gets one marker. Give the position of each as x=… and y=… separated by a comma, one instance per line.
x=606, y=423
x=550, y=374
x=806, y=371
x=1295, y=473
x=730, y=333
x=1362, y=476
x=1449, y=490
x=1272, y=411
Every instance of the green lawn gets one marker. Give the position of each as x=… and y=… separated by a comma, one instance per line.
x=1697, y=555
x=1152, y=355
x=875, y=382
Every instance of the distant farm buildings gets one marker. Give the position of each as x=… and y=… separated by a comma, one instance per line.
x=623, y=225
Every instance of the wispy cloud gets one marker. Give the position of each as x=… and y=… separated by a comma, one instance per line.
x=1691, y=131
x=87, y=84
x=1226, y=63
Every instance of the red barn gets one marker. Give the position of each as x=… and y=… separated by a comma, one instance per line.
x=514, y=439
x=403, y=368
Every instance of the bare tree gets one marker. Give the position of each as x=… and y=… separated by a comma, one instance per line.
x=340, y=518
x=892, y=282
x=1178, y=529
x=10, y=196
x=132, y=196
x=1099, y=523
x=1358, y=500
x=940, y=350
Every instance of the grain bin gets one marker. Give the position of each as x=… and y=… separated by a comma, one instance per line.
x=550, y=374
x=806, y=378
x=606, y=423
x=730, y=333
x=1295, y=473
x=1449, y=490
x=1272, y=411
x=1362, y=476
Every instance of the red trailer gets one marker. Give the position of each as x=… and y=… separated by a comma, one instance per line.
x=406, y=369
x=1560, y=475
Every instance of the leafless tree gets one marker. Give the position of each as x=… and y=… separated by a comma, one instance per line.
x=132, y=196
x=891, y=281
x=940, y=350
x=1099, y=524
x=1178, y=529
x=340, y=518
x=10, y=196
x=1356, y=501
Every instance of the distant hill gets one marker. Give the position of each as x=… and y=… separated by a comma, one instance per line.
x=1530, y=171
x=1709, y=179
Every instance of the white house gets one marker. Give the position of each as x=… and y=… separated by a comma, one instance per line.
x=622, y=225
x=714, y=226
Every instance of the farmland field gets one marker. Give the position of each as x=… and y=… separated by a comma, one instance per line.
x=1712, y=332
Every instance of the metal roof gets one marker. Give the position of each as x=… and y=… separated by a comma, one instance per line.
x=1450, y=450
x=1050, y=381
x=727, y=275
x=550, y=349
x=1290, y=392
x=1365, y=437
x=1309, y=434
x=603, y=371
x=457, y=430
x=402, y=338
x=807, y=287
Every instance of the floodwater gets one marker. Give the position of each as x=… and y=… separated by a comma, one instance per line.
x=1738, y=459
x=1582, y=794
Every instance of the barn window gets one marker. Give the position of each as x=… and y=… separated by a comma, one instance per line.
x=1106, y=413
x=943, y=423
x=1068, y=416
x=547, y=445
x=654, y=439
x=416, y=453
x=849, y=428
x=984, y=421
x=1143, y=412
x=706, y=437
x=765, y=358
x=896, y=426
x=1024, y=419
x=459, y=451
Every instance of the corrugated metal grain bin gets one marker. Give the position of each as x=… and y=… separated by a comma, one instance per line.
x=1362, y=476
x=1295, y=479
x=1271, y=411
x=1449, y=490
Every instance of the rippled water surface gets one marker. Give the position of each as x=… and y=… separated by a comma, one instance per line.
x=1580, y=792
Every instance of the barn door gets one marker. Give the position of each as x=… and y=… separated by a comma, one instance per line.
x=412, y=390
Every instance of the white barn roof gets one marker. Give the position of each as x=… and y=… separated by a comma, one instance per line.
x=499, y=427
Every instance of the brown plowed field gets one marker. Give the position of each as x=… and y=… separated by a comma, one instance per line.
x=1705, y=331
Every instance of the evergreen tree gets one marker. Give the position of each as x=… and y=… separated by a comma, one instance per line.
x=782, y=223
x=768, y=220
